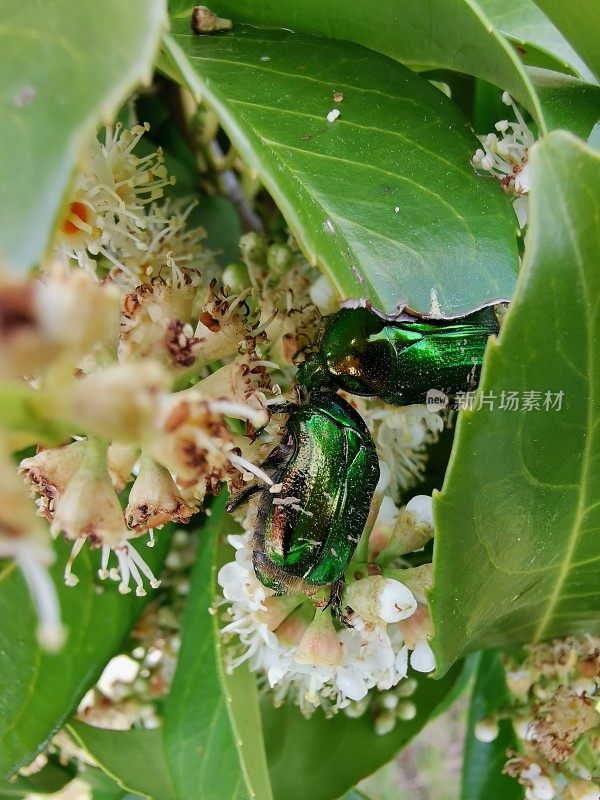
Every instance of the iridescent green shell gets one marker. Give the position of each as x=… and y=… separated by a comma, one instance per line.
x=399, y=362
x=327, y=465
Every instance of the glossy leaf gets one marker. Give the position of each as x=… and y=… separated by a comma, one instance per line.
x=384, y=199
x=452, y=34
x=525, y=25
x=40, y=690
x=482, y=776
x=103, y=786
x=212, y=729
x=50, y=779
x=296, y=746
x=134, y=758
x=517, y=546
x=65, y=68
x=580, y=25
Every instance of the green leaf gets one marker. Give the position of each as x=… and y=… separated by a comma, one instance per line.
x=519, y=514
x=525, y=25
x=322, y=758
x=51, y=778
x=482, y=776
x=65, y=68
x=40, y=690
x=399, y=144
x=213, y=738
x=449, y=34
x=567, y=98
x=102, y=785
x=581, y=26
x=135, y=758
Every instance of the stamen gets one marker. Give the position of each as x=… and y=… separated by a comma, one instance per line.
x=70, y=579
x=51, y=633
x=145, y=569
x=247, y=466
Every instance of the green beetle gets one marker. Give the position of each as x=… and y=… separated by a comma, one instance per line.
x=363, y=353
x=307, y=532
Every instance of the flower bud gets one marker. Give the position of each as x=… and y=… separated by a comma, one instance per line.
x=235, y=277
x=120, y=402
x=417, y=626
x=154, y=499
x=383, y=527
x=422, y=658
x=278, y=609
x=519, y=681
x=418, y=580
x=407, y=687
x=89, y=506
x=320, y=645
x=415, y=632
x=583, y=790
x=406, y=711
x=323, y=296
x=279, y=258
x=385, y=722
x=421, y=509
x=357, y=708
x=290, y=632
x=253, y=250
x=378, y=599
x=413, y=529
x=486, y=730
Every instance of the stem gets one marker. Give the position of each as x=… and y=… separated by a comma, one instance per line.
x=361, y=554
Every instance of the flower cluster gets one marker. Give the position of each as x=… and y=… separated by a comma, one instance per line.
x=141, y=381
x=305, y=654
x=134, y=683
x=130, y=369
x=505, y=156
x=555, y=718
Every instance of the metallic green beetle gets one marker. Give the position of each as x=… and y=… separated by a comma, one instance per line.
x=326, y=463
x=398, y=361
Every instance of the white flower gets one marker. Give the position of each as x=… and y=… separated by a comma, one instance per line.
x=380, y=599
x=507, y=157
x=538, y=785
x=106, y=214
x=305, y=658
x=420, y=507
x=23, y=538
x=402, y=436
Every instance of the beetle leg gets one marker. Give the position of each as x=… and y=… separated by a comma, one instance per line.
x=244, y=496
x=272, y=576
x=335, y=601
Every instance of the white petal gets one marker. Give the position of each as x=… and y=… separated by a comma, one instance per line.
x=402, y=662
x=420, y=507
x=395, y=602
x=422, y=658
x=276, y=672
x=351, y=684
